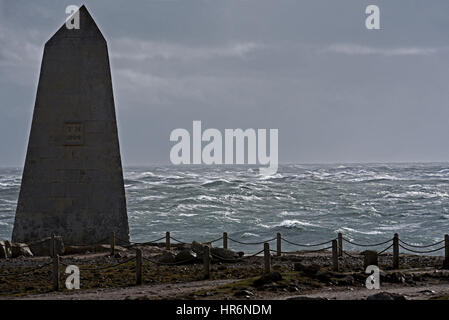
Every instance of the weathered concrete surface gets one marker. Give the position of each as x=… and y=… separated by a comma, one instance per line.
x=72, y=182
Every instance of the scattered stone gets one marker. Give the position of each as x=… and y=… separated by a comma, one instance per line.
x=42, y=247
x=224, y=255
x=20, y=250
x=5, y=251
x=8, y=248
x=308, y=269
x=427, y=292
x=346, y=281
x=395, y=277
x=244, y=293
x=268, y=278
x=186, y=256
x=324, y=275
x=198, y=248
x=292, y=289
x=306, y=298
x=386, y=296
x=167, y=257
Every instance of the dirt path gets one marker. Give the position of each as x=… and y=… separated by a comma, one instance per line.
x=411, y=293
x=161, y=291
x=181, y=290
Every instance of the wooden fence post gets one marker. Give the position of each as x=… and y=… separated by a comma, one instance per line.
x=167, y=240
x=278, y=244
x=112, y=243
x=56, y=273
x=225, y=240
x=340, y=244
x=446, y=252
x=396, y=251
x=206, y=261
x=267, y=257
x=334, y=255
x=52, y=245
x=138, y=267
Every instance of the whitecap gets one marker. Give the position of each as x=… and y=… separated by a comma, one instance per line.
x=294, y=224
x=249, y=235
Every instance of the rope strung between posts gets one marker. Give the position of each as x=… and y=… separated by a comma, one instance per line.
x=391, y=245
x=224, y=259
x=215, y=240
x=423, y=246
x=129, y=243
x=350, y=255
x=307, y=245
x=138, y=243
x=302, y=251
x=415, y=251
x=28, y=244
x=251, y=255
x=367, y=245
x=251, y=243
x=104, y=241
x=147, y=242
x=317, y=250
x=169, y=263
x=179, y=241
x=106, y=267
x=25, y=272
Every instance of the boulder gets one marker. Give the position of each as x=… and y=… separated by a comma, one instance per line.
x=198, y=248
x=20, y=250
x=186, y=256
x=224, y=254
x=4, y=251
x=324, y=276
x=386, y=296
x=167, y=257
x=42, y=247
x=395, y=277
x=8, y=248
x=267, y=278
x=346, y=281
x=369, y=258
x=244, y=293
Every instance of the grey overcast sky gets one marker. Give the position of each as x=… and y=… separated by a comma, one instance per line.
x=336, y=91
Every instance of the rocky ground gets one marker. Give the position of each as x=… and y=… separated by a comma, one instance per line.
x=294, y=276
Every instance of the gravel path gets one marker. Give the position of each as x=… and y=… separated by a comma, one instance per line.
x=161, y=291
x=410, y=293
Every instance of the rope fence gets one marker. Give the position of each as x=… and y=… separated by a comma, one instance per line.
x=335, y=247
x=25, y=272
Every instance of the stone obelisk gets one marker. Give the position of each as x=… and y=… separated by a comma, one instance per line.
x=72, y=182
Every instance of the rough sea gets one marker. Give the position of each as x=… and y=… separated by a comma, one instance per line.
x=368, y=203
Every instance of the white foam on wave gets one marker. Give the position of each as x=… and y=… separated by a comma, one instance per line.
x=417, y=194
x=290, y=213
x=188, y=214
x=270, y=177
x=153, y=197
x=207, y=198
x=249, y=235
x=367, y=232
